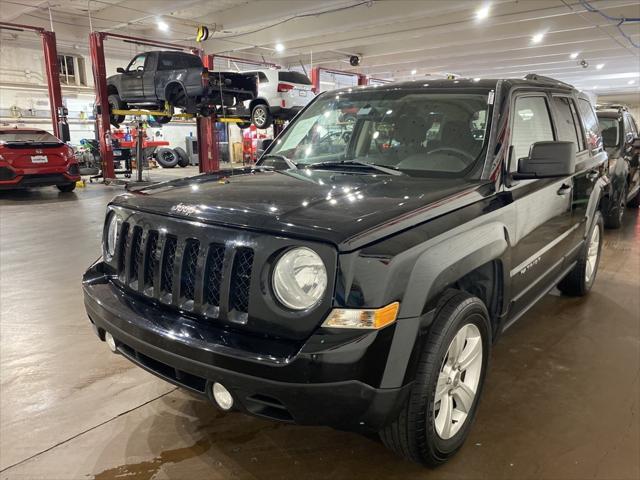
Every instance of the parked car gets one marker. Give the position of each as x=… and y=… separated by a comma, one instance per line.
x=31, y=157
x=362, y=285
x=281, y=94
x=622, y=143
x=179, y=78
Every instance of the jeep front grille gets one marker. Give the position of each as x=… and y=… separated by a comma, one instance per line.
x=185, y=272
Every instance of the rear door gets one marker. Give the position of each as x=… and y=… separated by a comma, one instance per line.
x=542, y=206
x=132, y=79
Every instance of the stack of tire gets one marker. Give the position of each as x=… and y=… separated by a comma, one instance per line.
x=170, y=157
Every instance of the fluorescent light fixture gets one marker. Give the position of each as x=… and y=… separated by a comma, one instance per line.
x=414, y=71
x=574, y=55
x=279, y=47
x=477, y=79
x=537, y=38
x=631, y=82
x=163, y=26
x=600, y=66
x=483, y=12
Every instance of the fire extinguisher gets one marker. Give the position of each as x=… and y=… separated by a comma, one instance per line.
x=107, y=140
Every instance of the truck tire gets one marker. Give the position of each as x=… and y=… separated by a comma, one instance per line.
x=261, y=116
x=183, y=158
x=116, y=103
x=166, y=157
x=437, y=415
x=614, y=216
x=579, y=281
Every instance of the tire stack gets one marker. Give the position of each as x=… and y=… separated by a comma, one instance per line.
x=170, y=157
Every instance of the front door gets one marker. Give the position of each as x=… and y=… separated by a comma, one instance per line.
x=544, y=227
x=132, y=80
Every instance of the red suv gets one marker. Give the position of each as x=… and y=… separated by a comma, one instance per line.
x=35, y=158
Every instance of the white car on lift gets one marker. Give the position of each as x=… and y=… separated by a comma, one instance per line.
x=281, y=94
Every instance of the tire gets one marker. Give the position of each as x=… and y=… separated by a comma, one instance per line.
x=116, y=103
x=614, y=217
x=183, y=158
x=166, y=157
x=419, y=433
x=261, y=116
x=635, y=201
x=579, y=281
x=67, y=187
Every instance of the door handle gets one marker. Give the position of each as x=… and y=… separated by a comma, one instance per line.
x=564, y=189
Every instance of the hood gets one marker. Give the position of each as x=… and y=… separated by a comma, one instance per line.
x=345, y=209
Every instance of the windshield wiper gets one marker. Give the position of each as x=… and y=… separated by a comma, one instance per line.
x=355, y=163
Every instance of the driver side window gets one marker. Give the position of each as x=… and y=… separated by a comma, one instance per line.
x=137, y=63
x=531, y=124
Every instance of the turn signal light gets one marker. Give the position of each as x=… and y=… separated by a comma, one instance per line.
x=365, y=318
x=285, y=87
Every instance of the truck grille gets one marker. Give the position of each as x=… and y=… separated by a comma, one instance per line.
x=191, y=274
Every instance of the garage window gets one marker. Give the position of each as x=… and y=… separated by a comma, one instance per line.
x=531, y=124
x=72, y=70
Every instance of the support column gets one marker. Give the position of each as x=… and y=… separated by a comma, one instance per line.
x=103, y=128
x=53, y=79
x=207, y=137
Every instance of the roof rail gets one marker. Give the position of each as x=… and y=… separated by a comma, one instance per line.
x=542, y=79
x=612, y=106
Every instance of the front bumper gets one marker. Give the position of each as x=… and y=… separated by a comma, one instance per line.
x=330, y=379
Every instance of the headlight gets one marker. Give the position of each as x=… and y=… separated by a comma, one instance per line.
x=111, y=237
x=299, y=278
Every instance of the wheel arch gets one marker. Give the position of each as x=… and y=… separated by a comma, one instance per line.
x=171, y=85
x=257, y=101
x=112, y=90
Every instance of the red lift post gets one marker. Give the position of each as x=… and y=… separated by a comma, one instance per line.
x=207, y=146
x=51, y=69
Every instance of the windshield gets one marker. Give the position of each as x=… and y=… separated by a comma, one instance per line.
x=416, y=132
x=610, y=131
x=27, y=136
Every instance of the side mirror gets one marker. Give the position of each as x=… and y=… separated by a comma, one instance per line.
x=547, y=160
x=120, y=70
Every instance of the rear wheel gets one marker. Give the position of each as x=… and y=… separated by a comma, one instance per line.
x=635, y=201
x=116, y=103
x=437, y=417
x=67, y=187
x=579, y=281
x=261, y=116
x=167, y=158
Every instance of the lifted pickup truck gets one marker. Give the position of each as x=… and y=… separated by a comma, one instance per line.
x=360, y=274
x=154, y=78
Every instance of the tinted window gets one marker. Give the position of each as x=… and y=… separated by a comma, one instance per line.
x=610, y=131
x=590, y=122
x=567, y=124
x=192, y=61
x=35, y=136
x=294, y=77
x=531, y=124
x=137, y=63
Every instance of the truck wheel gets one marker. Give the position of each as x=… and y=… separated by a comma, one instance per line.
x=578, y=281
x=261, y=116
x=167, y=158
x=116, y=103
x=67, y=187
x=183, y=158
x=438, y=414
x=614, y=217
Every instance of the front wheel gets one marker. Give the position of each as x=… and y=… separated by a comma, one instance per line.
x=579, y=281
x=437, y=417
x=116, y=103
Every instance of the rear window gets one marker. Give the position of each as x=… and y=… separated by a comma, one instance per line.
x=294, y=77
x=610, y=127
x=30, y=137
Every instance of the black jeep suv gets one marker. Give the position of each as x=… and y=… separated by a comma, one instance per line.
x=359, y=275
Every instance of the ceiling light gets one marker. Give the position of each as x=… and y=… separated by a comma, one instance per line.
x=164, y=26
x=595, y=87
x=537, y=38
x=414, y=71
x=279, y=47
x=600, y=66
x=631, y=82
x=477, y=79
x=574, y=55
x=483, y=12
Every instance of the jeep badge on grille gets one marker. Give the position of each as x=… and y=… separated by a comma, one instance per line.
x=183, y=209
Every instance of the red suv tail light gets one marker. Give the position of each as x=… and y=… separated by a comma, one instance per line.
x=285, y=87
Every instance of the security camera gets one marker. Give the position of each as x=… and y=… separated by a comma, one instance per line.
x=354, y=60
x=583, y=63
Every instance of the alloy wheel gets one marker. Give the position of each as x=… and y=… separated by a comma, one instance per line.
x=458, y=381
x=592, y=255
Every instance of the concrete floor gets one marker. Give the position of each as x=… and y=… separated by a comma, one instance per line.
x=561, y=400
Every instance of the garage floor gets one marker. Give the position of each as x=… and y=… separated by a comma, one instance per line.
x=562, y=399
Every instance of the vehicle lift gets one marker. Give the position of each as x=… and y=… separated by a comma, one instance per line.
x=58, y=110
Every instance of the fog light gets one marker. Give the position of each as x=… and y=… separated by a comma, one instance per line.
x=111, y=342
x=222, y=396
